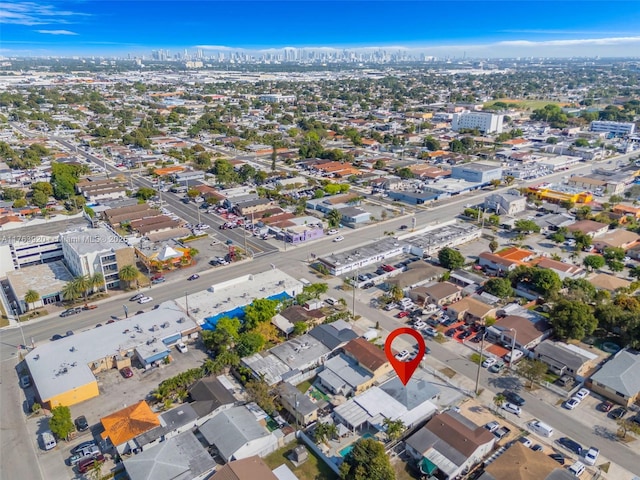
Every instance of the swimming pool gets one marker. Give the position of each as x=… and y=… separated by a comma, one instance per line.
x=238, y=312
x=345, y=451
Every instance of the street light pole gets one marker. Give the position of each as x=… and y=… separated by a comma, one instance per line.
x=484, y=334
x=126, y=311
x=16, y=311
x=513, y=346
x=186, y=302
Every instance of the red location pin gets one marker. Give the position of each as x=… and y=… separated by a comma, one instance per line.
x=404, y=369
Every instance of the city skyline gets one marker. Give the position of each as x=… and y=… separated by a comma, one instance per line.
x=475, y=29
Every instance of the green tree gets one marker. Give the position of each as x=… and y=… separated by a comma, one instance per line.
x=394, y=428
x=493, y=245
x=96, y=282
x=145, y=193
x=60, y=422
x=128, y=274
x=258, y=391
x=82, y=284
x=583, y=241
x=532, y=370
x=613, y=253
x=30, y=297
x=70, y=291
x=450, y=258
x=583, y=212
x=498, y=400
x=261, y=310
x=367, y=461
x=526, y=226
x=594, y=262
x=230, y=325
x=581, y=142
x=431, y=144
x=193, y=193
x=249, y=343
x=572, y=320
x=324, y=431
x=500, y=287
x=299, y=328
x=396, y=293
x=334, y=217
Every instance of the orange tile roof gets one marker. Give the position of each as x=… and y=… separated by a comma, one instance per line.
x=514, y=253
x=128, y=423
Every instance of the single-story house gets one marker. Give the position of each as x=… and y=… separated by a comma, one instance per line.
x=566, y=359
x=617, y=238
x=298, y=404
x=237, y=433
x=450, y=444
x=441, y=293
x=527, y=333
x=471, y=310
x=619, y=378
x=209, y=397
x=343, y=376
x=519, y=462
x=369, y=356
x=563, y=269
x=605, y=281
x=589, y=227
x=250, y=468
x=123, y=426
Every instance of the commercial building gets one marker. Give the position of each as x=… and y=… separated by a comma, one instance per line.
x=339, y=263
x=505, y=203
x=481, y=173
x=618, y=129
x=276, y=98
x=433, y=239
x=64, y=371
x=555, y=193
x=485, y=122
x=48, y=279
x=96, y=250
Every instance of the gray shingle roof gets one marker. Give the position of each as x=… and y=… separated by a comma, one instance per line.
x=621, y=373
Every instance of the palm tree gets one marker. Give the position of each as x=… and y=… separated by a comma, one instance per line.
x=128, y=274
x=96, y=281
x=498, y=400
x=31, y=296
x=334, y=217
x=82, y=284
x=70, y=291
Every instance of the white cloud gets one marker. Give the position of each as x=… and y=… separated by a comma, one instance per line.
x=571, y=42
x=215, y=47
x=57, y=32
x=30, y=13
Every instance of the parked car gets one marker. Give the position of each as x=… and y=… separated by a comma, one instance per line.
x=496, y=367
x=489, y=361
x=572, y=403
x=369, y=285
x=492, y=426
x=81, y=423
x=451, y=332
x=69, y=333
x=618, y=413
x=582, y=393
x=144, y=300
x=591, y=456
x=430, y=331
x=126, y=372
x=182, y=348
x=402, y=314
x=333, y=231
x=537, y=447
x=570, y=445
x=514, y=398
x=605, y=406
x=87, y=464
x=83, y=445
x=402, y=355
x=558, y=457
x=525, y=441
x=48, y=441
x=25, y=381
x=156, y=281
x=577, y=469
x=511, y=408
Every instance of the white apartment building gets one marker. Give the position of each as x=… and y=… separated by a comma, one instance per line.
x=615, y=128
x=483, y=121
x=277, y=98
x=93, y=250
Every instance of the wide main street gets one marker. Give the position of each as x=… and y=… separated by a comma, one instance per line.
x=292, y=261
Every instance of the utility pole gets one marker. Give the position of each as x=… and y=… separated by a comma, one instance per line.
x=484, y=334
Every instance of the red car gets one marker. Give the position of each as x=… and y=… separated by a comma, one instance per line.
x=402, y=314
x=126, y=372
x=85, y=465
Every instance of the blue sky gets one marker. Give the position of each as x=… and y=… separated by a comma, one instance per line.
x=446, y=27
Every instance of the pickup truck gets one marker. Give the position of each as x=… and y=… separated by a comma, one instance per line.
x=502, y=432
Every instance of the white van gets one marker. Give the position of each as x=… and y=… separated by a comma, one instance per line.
x=517, y=355
x=577, y=469
x=541, y=428
x=305, y=282
x=331, y=301
x=48, y=440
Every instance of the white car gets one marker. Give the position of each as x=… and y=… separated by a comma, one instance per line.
x=333, y=231
x=430, y=332
x=511, y=408
x=488, y=362
x=419, y=325
x=145, y=300
x=582, y=393
x=181, y=347
x=591, y=456
x=402, y=356
x=339, y=238
x=572, y=403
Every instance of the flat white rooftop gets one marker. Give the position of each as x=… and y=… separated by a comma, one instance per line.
x=62, y=365
x=238, y=292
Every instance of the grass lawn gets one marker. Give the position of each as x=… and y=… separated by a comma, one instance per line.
x=312, y=469
x=449, y=372
x=304, y=386
x=402, y=470
x=527, y=104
